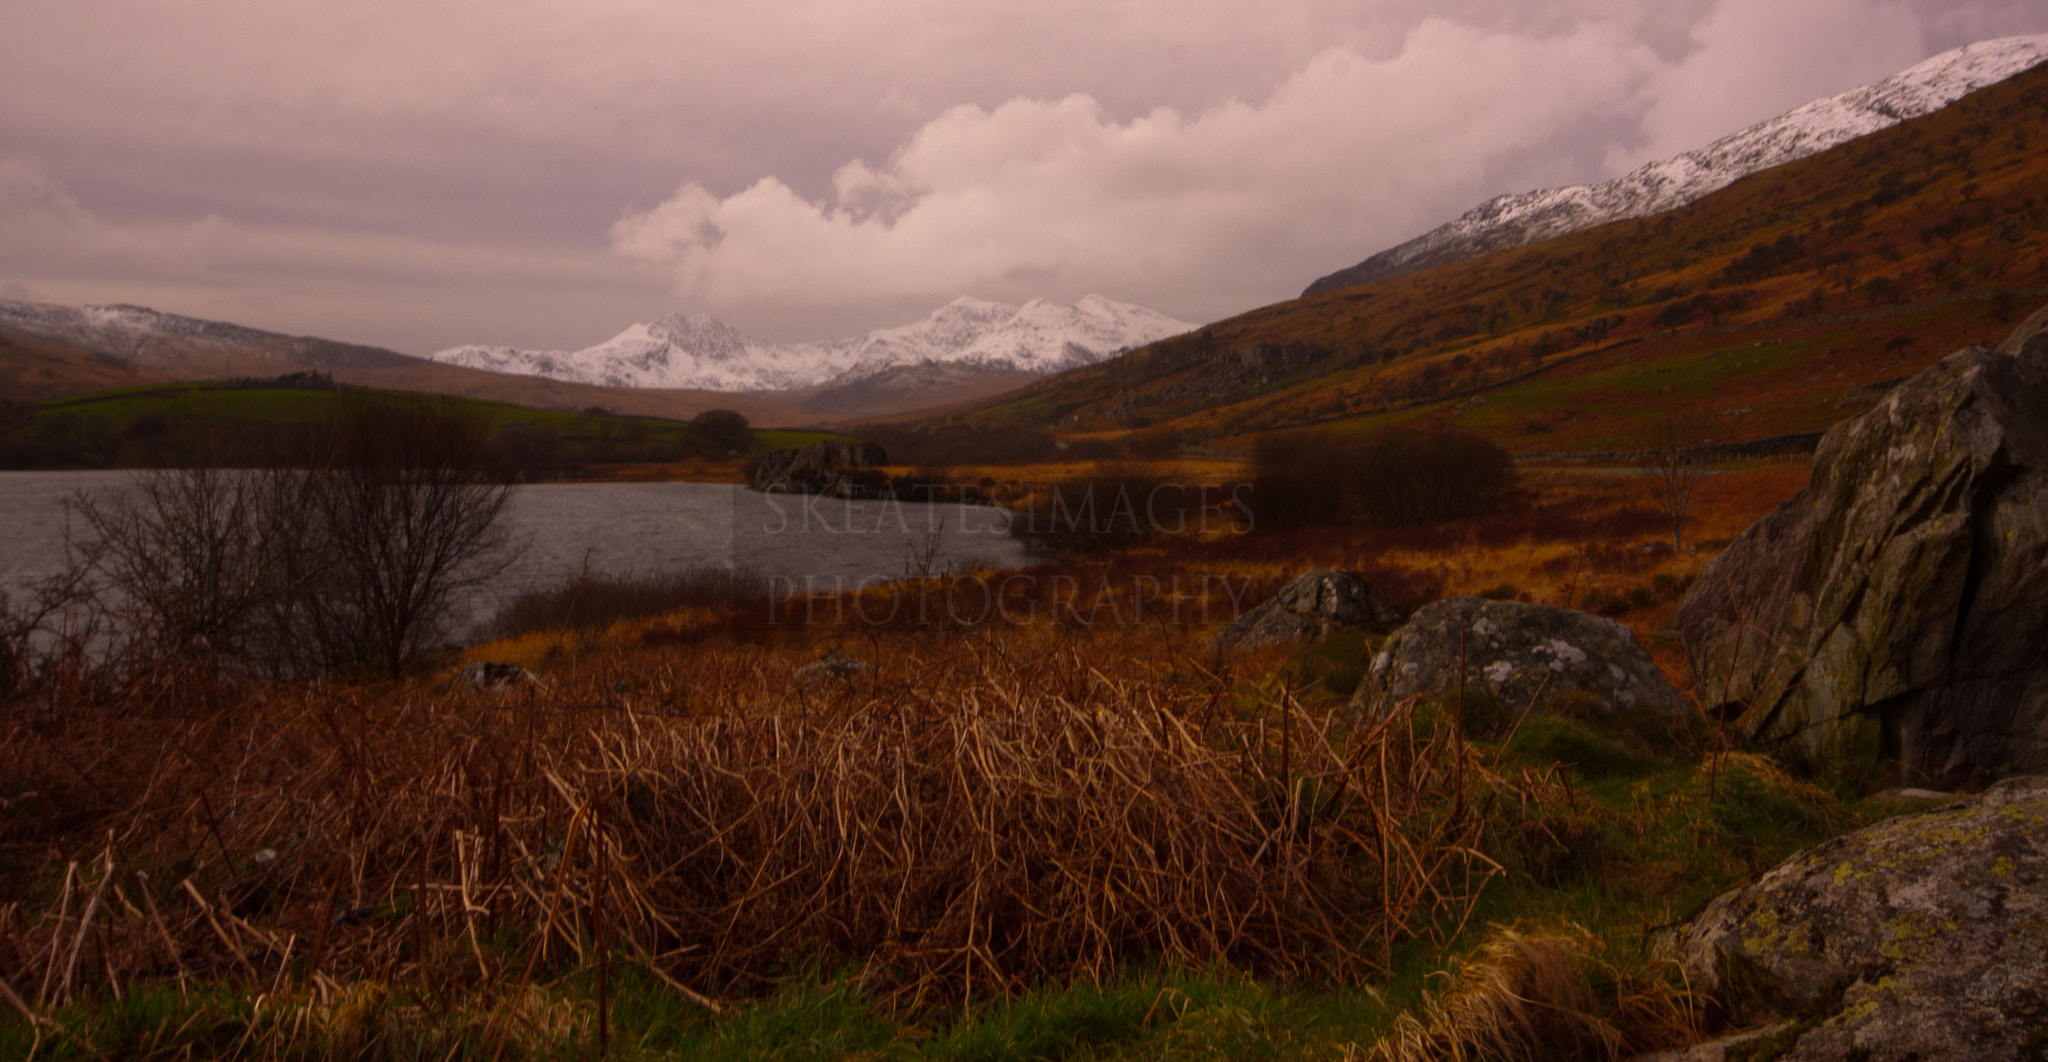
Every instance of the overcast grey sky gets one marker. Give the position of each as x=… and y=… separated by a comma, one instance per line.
x=541, y=173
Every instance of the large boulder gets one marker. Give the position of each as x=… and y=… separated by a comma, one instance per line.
x=1898, y=606
x=845, y=468
x=1519, y=656
x=1923, y=937
x=1304, y=610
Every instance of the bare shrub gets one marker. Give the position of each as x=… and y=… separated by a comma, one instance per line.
x=407, y=518
x=1674, y=472
x=347, y=563
x=203, y=565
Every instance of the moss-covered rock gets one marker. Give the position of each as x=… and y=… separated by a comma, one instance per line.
x=1924, y=937
x=1898, y=605
x=1518, y=657
x=1313, y=604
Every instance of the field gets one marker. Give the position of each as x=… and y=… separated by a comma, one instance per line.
x=1033, y=813
x=1070, y=829
x=157, y=425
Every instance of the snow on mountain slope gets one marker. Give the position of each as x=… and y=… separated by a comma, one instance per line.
x=1520, y=219
x=697, y=351
x=150, y=338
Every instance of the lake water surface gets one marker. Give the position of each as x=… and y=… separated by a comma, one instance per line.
x=619, y=528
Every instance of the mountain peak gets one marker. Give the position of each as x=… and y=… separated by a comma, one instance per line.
x=700, y=351
x=1516, y=220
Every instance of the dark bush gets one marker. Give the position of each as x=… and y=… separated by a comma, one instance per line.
x=724, y=430
x=1294, y=482
x=1764, y=259
x=1401, y=477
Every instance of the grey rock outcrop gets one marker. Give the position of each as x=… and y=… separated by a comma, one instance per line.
x=490, y=677
x=1923, y=937
x=1519, y=655
x=843, y=468
x=1308, y=608
x=831, y=664
x=1898, y=606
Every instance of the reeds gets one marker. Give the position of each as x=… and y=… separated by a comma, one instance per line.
x=593, y=601
x=1539, y=996
x=965, y=818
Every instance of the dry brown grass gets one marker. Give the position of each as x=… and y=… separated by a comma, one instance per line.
x=968, y=817
x=1541, y=996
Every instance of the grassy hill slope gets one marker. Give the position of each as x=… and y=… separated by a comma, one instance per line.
x=1780, y=304
x=35, y=368
x=162, y=423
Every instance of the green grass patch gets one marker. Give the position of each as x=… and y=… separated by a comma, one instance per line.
x=260, y=421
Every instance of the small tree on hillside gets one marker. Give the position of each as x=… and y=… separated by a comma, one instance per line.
x=1674, y=472
x=724, y=430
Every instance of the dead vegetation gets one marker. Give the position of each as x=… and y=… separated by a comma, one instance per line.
x=978, y=811
x=956, y=824
x=1541, y=996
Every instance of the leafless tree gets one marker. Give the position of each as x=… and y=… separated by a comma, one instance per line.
x=409, y=519
x=199, y=563
x=348, y=562
x=1675, y=470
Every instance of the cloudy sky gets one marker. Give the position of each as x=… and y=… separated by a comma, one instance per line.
x=424, y=173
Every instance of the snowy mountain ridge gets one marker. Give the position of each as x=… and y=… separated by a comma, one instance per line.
x=150, y=338
x=1523, y=218
x=697, y=351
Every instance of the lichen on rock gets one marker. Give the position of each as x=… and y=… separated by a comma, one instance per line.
x=1308, y=607
x=1516, y=655
x=1897, y=606
x=1922, y=937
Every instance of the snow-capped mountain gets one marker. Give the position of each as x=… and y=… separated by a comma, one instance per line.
x=1516, y=220
x=696, y=351
x=140, y=336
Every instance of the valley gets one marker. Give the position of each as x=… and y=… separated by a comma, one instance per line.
x=1604, y=627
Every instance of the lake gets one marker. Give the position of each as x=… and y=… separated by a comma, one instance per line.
x=619, y=528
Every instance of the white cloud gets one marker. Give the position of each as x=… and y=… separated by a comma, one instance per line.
x=1198, y=215
x=422, y=172
x=1756, y=59
x=293, y=279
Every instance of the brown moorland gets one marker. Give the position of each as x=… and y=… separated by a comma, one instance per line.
x=1778, y=305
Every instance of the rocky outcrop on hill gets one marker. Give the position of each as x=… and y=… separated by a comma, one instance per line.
x=1519, y=656
x=1308, y=608
x=840, y=468
x=1898, y=605
x=1923, y=937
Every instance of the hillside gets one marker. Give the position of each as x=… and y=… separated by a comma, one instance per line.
x=259, y=421
x=59, y=351
x=1780, y=304
x=1529, y=217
